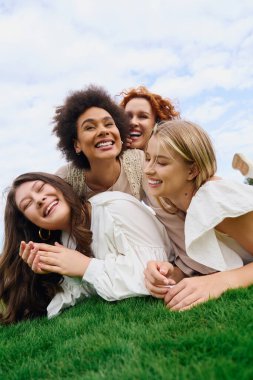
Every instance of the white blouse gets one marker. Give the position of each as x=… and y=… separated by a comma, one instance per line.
x=126, y=235
x=213, y=202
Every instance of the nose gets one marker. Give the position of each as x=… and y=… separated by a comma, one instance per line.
x=40, y=200
x=149, y=167
x=102, y=130
x=133, y=121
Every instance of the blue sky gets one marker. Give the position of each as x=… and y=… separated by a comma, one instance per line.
x=198, y=53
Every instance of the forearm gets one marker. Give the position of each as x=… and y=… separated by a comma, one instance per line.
x=236, y=278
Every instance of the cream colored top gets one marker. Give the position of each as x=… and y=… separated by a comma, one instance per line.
x=126, y=235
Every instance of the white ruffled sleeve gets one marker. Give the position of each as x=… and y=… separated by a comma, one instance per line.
x=126, y=235
x=215, y=201
x=73, y=291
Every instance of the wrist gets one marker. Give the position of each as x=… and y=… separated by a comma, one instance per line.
x=83, y=265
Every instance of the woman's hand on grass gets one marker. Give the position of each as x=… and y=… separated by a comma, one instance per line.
x=59, y=259
x=195, y=290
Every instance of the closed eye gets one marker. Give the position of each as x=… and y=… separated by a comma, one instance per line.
x=89, y=127
x=26, y=205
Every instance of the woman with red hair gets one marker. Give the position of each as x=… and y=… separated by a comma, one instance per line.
x=145, y=109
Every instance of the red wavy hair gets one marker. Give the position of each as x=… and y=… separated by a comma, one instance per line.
x=162, y=107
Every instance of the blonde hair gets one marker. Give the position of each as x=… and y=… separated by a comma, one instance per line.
x=192, y=143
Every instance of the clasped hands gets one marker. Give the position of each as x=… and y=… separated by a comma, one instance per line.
x=45, y=258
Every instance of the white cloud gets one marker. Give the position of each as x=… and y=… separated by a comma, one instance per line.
x=196, y=52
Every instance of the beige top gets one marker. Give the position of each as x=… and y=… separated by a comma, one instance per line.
x=132, y=181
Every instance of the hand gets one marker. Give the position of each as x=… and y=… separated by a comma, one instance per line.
x=192, y=291
x=59, y=259
x=129, y=142
x=28, y=253
x=158, y=276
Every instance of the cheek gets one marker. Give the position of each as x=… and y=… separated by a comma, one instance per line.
x=148, y=126
x=31, y=216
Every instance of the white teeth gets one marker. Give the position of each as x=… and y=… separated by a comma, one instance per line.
x=135, y=134
x=50, y=207
x=154, y=182
x=104, y=143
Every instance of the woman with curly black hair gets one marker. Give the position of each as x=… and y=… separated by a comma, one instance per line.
x=92, y=131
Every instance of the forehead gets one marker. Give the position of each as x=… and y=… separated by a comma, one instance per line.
x=23, y=190
x=93, y=113
x=138, y=104
x=154, y=148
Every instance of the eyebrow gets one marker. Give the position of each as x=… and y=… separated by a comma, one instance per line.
x=90, y=120
x=159, y=156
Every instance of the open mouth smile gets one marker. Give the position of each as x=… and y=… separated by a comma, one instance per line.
x=104, y=144
x=154, y=182
x=134, y=134
x=50, y=207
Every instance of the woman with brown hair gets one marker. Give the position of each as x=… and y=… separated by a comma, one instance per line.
x=105, y=247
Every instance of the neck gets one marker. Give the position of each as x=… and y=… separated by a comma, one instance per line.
x=183, y=199
x=103, y=174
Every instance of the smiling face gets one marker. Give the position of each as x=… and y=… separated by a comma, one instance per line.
x=43, y=205
x=97, y=135
x=167, y=173
x=142, y=121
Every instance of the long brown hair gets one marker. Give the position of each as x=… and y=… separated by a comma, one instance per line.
x=24, y=293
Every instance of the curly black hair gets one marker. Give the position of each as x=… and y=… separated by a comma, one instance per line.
x=65, y=120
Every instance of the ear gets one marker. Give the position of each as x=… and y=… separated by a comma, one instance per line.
x=193, y=172
x=77, y=146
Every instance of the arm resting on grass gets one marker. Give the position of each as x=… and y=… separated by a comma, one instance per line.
x=192, y=291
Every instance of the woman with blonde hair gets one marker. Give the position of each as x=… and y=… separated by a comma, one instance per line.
x=144, y=109
x=180, y=168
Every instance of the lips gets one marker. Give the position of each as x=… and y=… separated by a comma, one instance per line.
x=104, y=143
x=154, y=182
x=134, y=134
x=49, y=208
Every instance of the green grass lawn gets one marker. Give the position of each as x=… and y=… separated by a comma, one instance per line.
x=134, y=339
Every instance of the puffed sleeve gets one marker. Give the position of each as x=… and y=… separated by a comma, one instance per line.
x=126, y=236
x=73, y=291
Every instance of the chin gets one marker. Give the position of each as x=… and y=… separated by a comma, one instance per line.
x=137, y=145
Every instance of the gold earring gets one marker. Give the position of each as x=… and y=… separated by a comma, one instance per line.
x=45, y=238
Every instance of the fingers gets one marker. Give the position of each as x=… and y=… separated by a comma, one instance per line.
x=129, y=142
x=47, y=268
x=182, y=297
x=166, y=268
x=25, y=250
x=155, y=291
x=48, y=247
x=153, y=275
x=36, y=267
x=32, y=257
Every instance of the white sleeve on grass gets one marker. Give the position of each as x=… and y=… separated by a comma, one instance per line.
x=73, y=291
x=126, y=235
